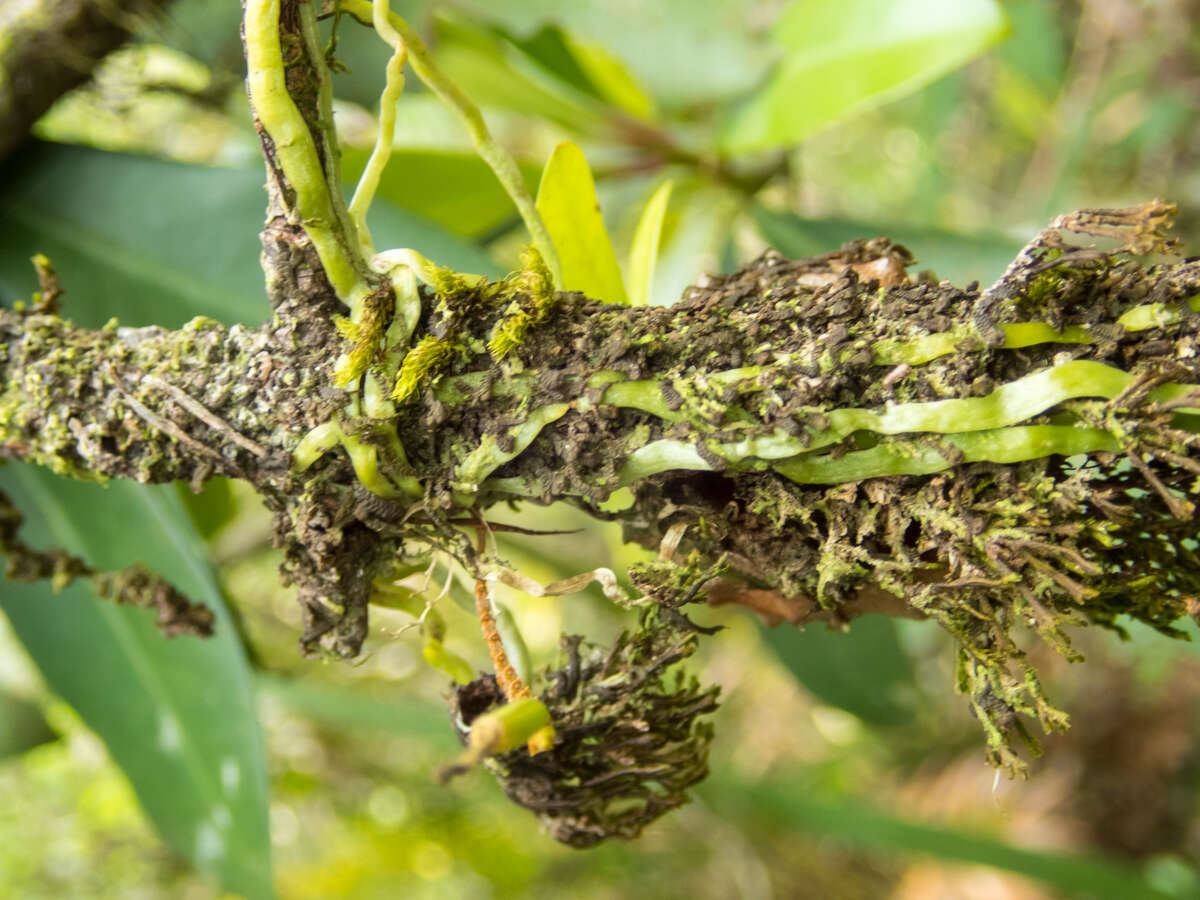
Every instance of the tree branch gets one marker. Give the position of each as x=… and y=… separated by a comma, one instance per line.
x=830, y=436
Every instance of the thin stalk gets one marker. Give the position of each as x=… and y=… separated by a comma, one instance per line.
x=498, y=159
x=296, y=153
x=368, y=182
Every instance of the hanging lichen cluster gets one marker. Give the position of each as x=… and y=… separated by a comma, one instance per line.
x=629, y=742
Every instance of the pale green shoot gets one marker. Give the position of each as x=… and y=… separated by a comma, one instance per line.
x=499, y=159
x=643, y=254
x=369, y=182
x=568, y=206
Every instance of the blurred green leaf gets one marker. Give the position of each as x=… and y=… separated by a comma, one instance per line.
x=686, y=53
x=114, y=226
x=155, y=243
x=1036, y=45
x=567, y=202
x=177, y=715
x=852, y=822
x=644, y=253
x=204, y=29
x=493, y=71
x=210, y=509
x=392, y=226
x=960, y=258
x=611, y=78
x=361, y=706
x=842, y=57
x=550, y=47
x=22, y=725
x=455, y=189
x=695, y=235
x=865, y=671
x=586, y=66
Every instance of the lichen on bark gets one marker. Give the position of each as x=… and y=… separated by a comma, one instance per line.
x=839, y=437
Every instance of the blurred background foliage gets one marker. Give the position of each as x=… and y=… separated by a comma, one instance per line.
x=844, y=765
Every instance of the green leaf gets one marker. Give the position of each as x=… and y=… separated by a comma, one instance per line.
x=455, y=189
x=493, y=71
x=687, y=53
x=960, y=258
x=154, y=242
x=360, y=706
x=842, y=57
x=643, y=254
x=856, y=824
x=211, y=509
x=585, y=65
x=22, y=725
x=1038, y=46
x=610, y=78
x=158, y=243
x=567, y=203
x=550, y=48
x=204, y=29
x=865, y=671
x=392, y=226
x=177, y=715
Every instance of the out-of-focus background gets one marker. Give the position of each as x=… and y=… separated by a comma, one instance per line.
x=844, y=765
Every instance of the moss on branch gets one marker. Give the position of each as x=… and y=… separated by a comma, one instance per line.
x=834, y=436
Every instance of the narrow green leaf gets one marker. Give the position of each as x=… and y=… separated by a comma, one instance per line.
x=842, y=57
x=959, y=257
x=856, y=824
x=611, y=78
x=643, y=255
x=493, y=71
x=153, y=242
x=567, y=202
x=865, y=672
x=22, y=725
x=177, y=715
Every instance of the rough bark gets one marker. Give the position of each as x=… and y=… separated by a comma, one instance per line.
x=1042, y=479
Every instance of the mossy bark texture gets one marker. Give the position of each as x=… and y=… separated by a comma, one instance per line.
x=821, y=438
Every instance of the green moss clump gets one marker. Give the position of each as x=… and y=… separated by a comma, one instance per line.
x=421, y=363
x=365, y=335
x=533, y=297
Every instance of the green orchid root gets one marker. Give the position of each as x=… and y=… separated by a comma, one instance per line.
x=317, y=205
x=497, y=158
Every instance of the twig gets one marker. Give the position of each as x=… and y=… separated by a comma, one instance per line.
x=162, y=424
x=201, y=412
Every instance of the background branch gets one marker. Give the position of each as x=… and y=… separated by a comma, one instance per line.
x=49, y=47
